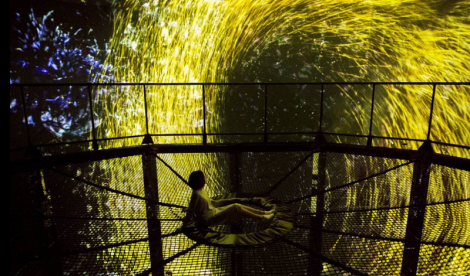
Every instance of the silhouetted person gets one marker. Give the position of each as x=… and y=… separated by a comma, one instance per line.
x=212, y=212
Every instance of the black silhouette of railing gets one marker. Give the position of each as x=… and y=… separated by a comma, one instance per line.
x=265, y=134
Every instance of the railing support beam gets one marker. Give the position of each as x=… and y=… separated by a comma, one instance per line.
x=92, y=116
x=235, y=187
x=149, y=162
x=369, y=138
x=315, y=265
x=266, y=113
x=322, y=92
x=204, y=134
x=417, y=211
x=147, y=138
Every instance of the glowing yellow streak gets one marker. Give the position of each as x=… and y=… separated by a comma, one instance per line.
x=203, y=41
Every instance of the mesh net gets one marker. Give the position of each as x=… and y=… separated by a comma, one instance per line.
x=203, y=260
x=276, y=256
x=118, y=260
x=443, y=260
x=365, y=255
x=91, y=218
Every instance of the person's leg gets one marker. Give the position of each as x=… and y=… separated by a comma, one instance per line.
x=256, y=211
x=233, y=211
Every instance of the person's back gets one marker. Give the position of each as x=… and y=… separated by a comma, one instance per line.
x=200, y=206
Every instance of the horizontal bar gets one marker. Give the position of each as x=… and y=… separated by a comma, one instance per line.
x=447, y=202
x=64, y=143
x=243, y=134
x=86, y=141
x=346, y=134
x=262, y=133
x=383, y=208
x=446, y=244
x=46, y=162
x=84, y=218
x=177, y=134
x=102, y=248
x=246, y=133
x=351, y=183
x=353, y=234
x=238, y=134
x=451, y=145
x=116, y=191
x=383, y=238
x=117, y=138
x=234, y=83
x=397, y=138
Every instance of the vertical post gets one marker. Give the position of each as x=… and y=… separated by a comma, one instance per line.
x=369, y=139
x=31, y=151
x=235, y=187
x=25, y=116
x=265, y=113
x=149, y=163
x=321, y=106
x=146, y=110
x=416, y=213
x=315, y=265
x=48, y=233
x=204, y=136
x=432, y=109
x=93, y=130
x=147, y=139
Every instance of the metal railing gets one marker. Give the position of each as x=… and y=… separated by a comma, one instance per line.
x=265, y=134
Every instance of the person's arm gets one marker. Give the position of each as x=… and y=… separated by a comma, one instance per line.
x=191, y=210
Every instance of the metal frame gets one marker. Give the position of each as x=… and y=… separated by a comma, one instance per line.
x=421, y=161
x=150, y=159
x=265, y=133
x=45, y=162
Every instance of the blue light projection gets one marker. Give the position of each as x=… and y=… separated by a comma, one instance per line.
x=46, y=51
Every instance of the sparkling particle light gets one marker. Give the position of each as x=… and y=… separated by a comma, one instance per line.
x=204, y=41
x=332, y=40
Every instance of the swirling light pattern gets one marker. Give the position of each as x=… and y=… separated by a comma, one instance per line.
x=220, y=41
x=258, y=40
x=270, y=41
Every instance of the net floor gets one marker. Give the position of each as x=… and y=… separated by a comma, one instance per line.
x=351, y=216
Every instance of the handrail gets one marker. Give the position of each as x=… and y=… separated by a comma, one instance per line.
x=264, y=133
x=235, y=83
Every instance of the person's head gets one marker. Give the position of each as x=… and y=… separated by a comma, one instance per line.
x=196, y=180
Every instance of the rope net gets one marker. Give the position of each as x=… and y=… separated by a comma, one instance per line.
x=351, y=216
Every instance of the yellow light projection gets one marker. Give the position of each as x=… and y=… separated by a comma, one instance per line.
x=206, y=40
x=203, y=41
